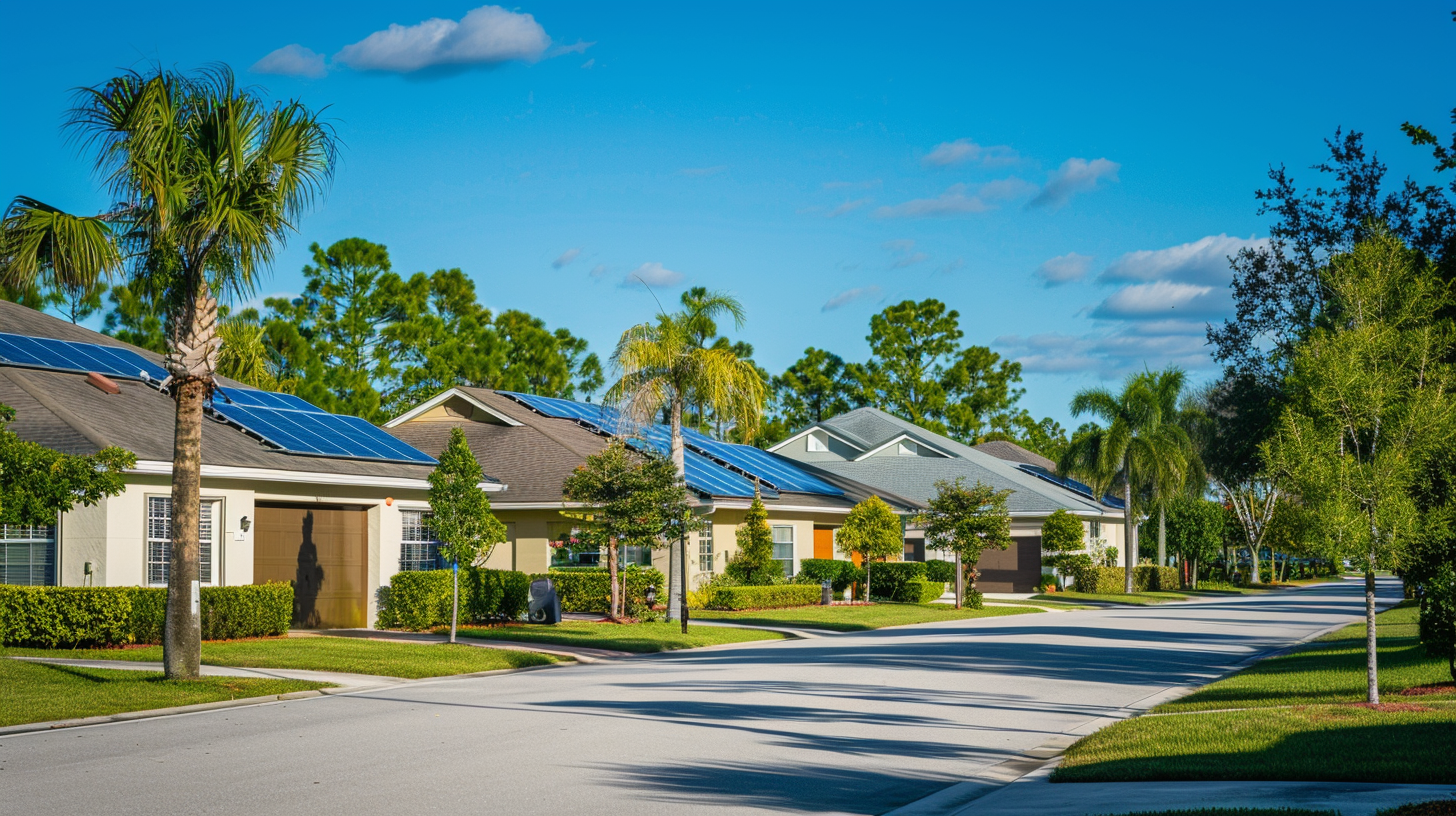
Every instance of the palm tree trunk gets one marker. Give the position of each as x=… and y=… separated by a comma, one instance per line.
x=675, y=549
x=1130, y=524
x=1162, y=537
x=182, y=633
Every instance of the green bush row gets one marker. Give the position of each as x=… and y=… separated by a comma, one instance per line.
x=888, y=578
x=51, y=617
x=942, y=571
x=919, y=591
x=778, y=596
x=1113, y=580
x=420, y=600
x=590, y=590
x=840, y=574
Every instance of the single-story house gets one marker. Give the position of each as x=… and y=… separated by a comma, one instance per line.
x=887, y=453
x=530, y=444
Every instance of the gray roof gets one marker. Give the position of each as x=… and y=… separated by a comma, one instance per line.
x=1012, y=452
x=914, y=477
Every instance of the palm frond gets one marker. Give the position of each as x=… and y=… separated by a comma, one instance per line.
x=40, y=244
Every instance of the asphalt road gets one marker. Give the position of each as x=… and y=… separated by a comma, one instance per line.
x=857, y=723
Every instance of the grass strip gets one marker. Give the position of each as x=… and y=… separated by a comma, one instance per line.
x=352, y=655
x=622, y=637
x=1135, y=599
x=40, y=692
x=859, y=618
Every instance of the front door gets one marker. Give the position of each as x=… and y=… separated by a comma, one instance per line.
x=323, y=550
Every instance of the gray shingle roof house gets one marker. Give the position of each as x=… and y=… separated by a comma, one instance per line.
x=888, y=453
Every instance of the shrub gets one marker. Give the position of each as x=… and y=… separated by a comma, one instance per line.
x=1098, y=580
x=942, y=571
x=1150, y=578
x=590, y=590
x=889, y=576
x=763, y=597
x=840, y=574
x=107, y=616
x=919, y=591
x=973, y=599
x=422, y=599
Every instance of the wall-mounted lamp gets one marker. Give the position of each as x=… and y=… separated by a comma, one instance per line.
x=245, y=523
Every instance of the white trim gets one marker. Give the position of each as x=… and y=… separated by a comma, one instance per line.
x=811, y=429
x=150, y=467
x=909, y=438
x=439, y=399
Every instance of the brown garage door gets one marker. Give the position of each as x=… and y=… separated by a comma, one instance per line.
x=1014, y=569
x=323, y=551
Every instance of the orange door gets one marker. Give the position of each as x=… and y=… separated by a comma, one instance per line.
x=823, y=543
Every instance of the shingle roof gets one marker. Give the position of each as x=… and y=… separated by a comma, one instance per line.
x=62, y=411
x=1012, y=452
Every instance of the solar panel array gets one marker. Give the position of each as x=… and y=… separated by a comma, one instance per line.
x=1070, y=484
x=299, y=427
x=718, y=468
x=64, y=355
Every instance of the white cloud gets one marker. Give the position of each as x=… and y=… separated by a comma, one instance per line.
x=1163, y=299
x=1203, y=261
x=589, y=63
x=1064, y=269
x=961, y=151
x=958, y=200
x=699, y=172
x=904, y=252
x=599, y=270
x=849, y=296
x=579, y=47
x=292, y=60
x=910, y=260
x=1106, y=354
x=848, y=207
x=653, y=274
x=566, y=257
x=489, y=35
x=954, y=266
x=1073, y=177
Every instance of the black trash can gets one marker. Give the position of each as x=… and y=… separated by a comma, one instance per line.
x=545, y=606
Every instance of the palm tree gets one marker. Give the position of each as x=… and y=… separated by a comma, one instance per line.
x=663, y=368
x=244, y=355
x=1140, y=444
x=207, y=180
x=1181, y=475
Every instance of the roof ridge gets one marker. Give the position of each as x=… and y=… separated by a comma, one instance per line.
x=60, y=412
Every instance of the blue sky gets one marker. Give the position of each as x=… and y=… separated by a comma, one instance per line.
x=1068, y=177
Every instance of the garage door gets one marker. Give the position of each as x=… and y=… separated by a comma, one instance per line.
x=1014, y=569
x=324, y=552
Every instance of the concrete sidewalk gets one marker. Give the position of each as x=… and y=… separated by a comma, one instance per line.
x=584, y=654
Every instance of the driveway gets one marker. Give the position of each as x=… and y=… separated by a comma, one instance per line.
x=858, y=723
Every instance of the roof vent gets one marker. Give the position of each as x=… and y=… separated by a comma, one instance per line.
x=103, y=383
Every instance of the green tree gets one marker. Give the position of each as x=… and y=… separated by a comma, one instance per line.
x=627, y=499
x=1370, y=405
x=663, y=369
x=460, y=515
x=1196, y=532
x=207, y=181
x=754, y=565
x=872, y=531
x=965, y=521
x=245, y=355
x=134, y=319
x=1138, y=443
x=813, y=389
x=37, y=483
x=1438, y=615
x=1062, y=541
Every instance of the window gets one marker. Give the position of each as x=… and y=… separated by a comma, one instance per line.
x=705, y=549
x=1094, y=531
x=418, y=549
x=159, y=539
x=908, y=448
x=783, y=544
x=816, y=445
x=28, y=554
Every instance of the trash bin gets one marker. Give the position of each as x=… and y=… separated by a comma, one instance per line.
x=545, y=605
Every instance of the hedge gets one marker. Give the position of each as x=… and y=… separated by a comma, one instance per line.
x=919, y=591
x=1113, y=580
x=421, y=599
x=943, y=571
x=583, y=590
x=778, y=596
x=49, y=617
x=840, y=574
x=1149, y=578
x=887, y=578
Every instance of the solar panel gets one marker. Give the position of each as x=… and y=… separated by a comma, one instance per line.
x=703, y=474
x=64, y=355
x=764, y=465
x=601, y=416
x=299, y=427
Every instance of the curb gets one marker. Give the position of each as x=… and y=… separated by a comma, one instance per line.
x=128, y=716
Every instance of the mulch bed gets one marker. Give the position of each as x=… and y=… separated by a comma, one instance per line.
x=1434, y=688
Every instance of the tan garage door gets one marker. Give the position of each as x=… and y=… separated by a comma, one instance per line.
x=1014, y=569
x=324, y=552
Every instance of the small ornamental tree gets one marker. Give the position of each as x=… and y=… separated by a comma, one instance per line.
x=628, y=499
x=460, y=514
x=1197, y=531
x=873, y=531
x=37, y=483
x=1062, y=542
x=754, y=565
x=965, y=520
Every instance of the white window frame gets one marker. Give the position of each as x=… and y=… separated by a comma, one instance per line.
x=158, y=537
x=415, y=531
x=816, y=445
x=30, y=538
x=707, y=556
x=791, y=562
x=908, y=448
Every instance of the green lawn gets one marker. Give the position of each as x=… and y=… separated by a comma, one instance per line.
x=624, y=637
x=37, y=692
x=410, y=660
x=1135, y=599
x=1296, y=717
x=858, y=618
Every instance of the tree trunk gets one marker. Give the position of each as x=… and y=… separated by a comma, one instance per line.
x=1130, y=524
x=182, y=632
x=868, y=594
x=614, y=610
x=1162, y=537
x=960, y=584
x=1372, y=681
x=455, y=597
x=676, y=549
x=1254, y=571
